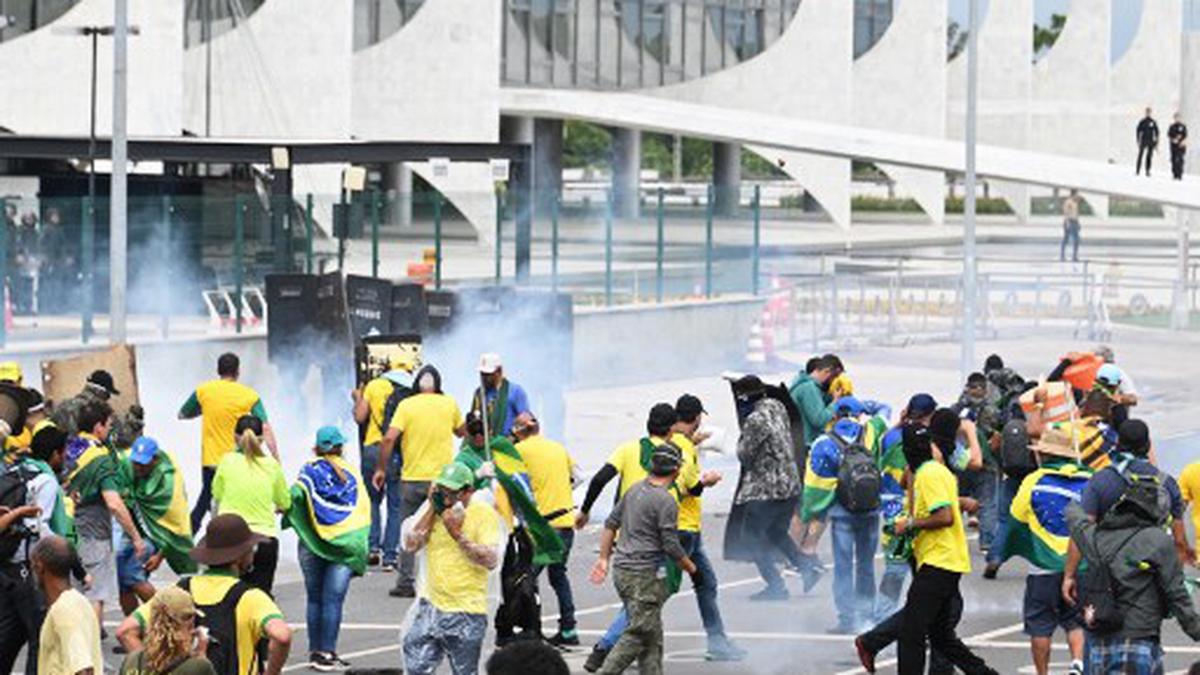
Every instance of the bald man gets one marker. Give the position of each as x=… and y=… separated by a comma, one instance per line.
x=69, y=641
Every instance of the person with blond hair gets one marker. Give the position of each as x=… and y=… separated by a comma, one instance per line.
x=173, y=644
x=250, y=483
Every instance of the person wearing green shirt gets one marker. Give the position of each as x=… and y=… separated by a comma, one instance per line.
x=251, y=484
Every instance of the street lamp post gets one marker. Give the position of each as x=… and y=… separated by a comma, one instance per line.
x=970, y=264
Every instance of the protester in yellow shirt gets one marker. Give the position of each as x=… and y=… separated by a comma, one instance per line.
x=552, y=476
x=369, y=403
x=221, y=403
x=940, y=549
x=69, y=642
x=461, y=540
x=1189, y=488
x=236, y=627
x=426, y=424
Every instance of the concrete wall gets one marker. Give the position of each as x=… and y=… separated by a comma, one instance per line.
x=633, y=345
x=45, y=75
x=1190, y=95
x=1148, y=74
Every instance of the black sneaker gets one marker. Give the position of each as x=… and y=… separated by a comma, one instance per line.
x=322, y=663
x=339, y=664
x=595, y=660
x=373, y=558
x=564, y=638
x=403, y=592
x=991, y=570
x=388, y=567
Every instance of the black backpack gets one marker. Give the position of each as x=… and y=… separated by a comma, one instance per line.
x=1146, y=495
x=859, y=480
x=1016, y=459
x=221, y=621
x=14, y=493
x=399, y=393
x=1098, y=589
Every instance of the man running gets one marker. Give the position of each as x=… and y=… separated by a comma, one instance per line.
x=220, y=403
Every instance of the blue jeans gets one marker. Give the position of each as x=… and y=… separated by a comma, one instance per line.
x=1008, y=491
x=981, y=486
x=325, y=584
x=561, y=583
x=855, y=540
x=705, y=584
x=391, y=530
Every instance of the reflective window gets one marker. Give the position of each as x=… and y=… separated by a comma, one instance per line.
x=206, y=19
x=18, y=17
x=375, y=20
x=871, y=21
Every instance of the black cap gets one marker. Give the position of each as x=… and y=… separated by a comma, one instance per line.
x=689, y=407
x=662, y=418
x=993, y=362
x=104, y=380
x=1134, y=437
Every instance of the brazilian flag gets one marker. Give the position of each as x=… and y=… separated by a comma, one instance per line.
x=61, y=522
x=1037, y=530
x=161, y=506
x=331, y=512
x=824, y=460
x=513, y=476
x=92, y=467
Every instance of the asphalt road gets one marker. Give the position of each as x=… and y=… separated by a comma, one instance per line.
x=782, y=638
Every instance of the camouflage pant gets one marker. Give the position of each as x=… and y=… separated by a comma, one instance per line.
x=643, y=593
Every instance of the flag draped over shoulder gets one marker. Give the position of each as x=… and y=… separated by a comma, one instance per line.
x=513, y=476
x=161, y=506
x=824, y=460
x=331, y=512
x=61, y=522
x=91, y=468
x=1038, y=528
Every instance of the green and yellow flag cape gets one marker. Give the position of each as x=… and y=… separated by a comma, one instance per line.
x=331, y=512
x=160, y=506
x=1037, y=530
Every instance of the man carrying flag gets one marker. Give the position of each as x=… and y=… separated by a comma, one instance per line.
x=330, y=512
x=160, y=507
x=532, y=542
x=1039, y=533
x=504, y=399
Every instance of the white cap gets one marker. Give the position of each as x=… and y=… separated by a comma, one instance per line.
x=489, y=363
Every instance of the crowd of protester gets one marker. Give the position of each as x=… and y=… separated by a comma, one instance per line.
x=461, y=507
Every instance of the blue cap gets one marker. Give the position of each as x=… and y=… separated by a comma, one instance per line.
x=329, y=437
x=143, y=451
x=920, y=405
x=848, y=406
x=1109, y=375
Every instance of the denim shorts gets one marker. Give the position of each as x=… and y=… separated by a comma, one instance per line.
x=1044, y=608
x=129, y=569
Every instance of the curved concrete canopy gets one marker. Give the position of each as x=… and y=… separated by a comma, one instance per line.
x=900, y=85
x=844, y=142
x=400, y=91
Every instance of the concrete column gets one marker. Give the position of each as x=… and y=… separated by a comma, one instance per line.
x=398, y=181
x=727, y=177
x=626, y=167
x=547, y=165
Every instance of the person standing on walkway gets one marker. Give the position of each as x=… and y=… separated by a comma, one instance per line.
x=505, y=399
x=69, y=643
x=768, y=490
x=371, y=405
x=461, y=540
x=426, y=424
x=552, y=476
x=1177, y=135
x=1039, y=534
x=330, y=513
x=1071, y=227
x=221, y=403
x=1147, y=141
x=647, y=518
x=251, y=484
x=941, y=555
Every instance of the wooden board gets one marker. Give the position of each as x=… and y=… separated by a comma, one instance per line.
x=64, y=378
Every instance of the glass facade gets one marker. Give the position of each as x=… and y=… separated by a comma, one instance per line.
x=22, y=16
x=871, y=21
x=375, y=20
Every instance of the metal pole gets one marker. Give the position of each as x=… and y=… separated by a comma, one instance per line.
x=554, y=206
x=608, y=249
x=437, y=240
x=118, y=212
x=658, y=249
x=970, y=264
x=206, y=30
x=239, y=227
x=755, y=252
x=708, y=242
x=164, y=248
x=375, y=233
x=3, y=277
x=499, y=233
x=88, y=266
x=343, y=231
x=308, y=234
